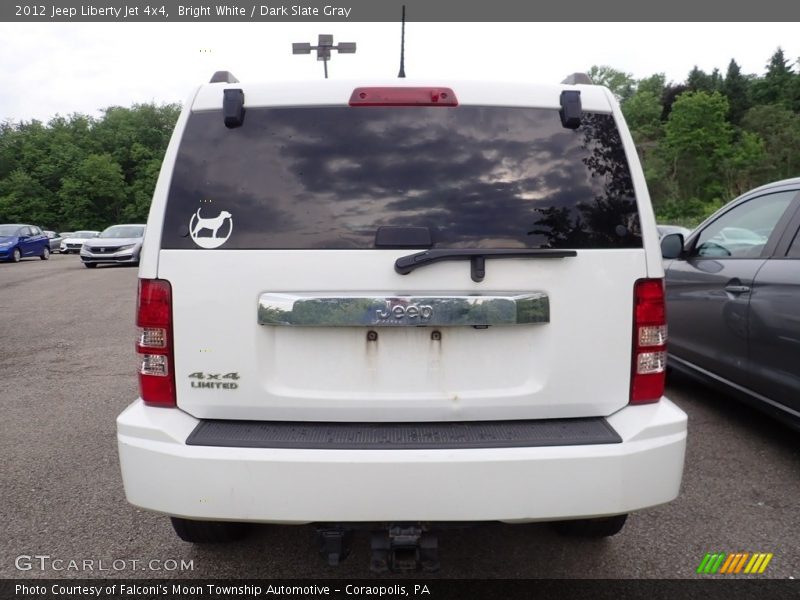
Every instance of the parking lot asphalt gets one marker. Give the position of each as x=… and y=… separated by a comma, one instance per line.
x=67, y=369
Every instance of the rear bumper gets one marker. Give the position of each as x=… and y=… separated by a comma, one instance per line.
x=161, y=473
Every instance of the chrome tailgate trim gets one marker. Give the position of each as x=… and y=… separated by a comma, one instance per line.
x=322, y=310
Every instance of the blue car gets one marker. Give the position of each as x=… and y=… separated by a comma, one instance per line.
x=21, y=241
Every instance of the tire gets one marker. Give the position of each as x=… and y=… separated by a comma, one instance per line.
x=45, y=253
x=209, y=532
x=16, y=255
x=90, y=265
x=591, y=528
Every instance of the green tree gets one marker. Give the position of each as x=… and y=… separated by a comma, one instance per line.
x=25, y=153
x=621, y=84
x=133, y=134
x=137, y=138
x=77, y=171
x=95, y=195
x=700, y=81
x=23, y=199
x=643, y=111
x=10, y=141
x=736, y=88
x=745, y=166
x=779, y=128
x=697, y=144
x=643, y=114
x=141, y=190
x=654, y=84
x=671, y=93
x=777, y=85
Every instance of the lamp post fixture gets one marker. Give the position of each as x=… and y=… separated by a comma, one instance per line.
x=323, y=48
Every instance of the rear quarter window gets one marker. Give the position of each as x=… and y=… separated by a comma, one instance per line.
x=475, y=176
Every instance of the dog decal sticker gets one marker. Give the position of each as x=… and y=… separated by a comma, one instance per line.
x=220, y=227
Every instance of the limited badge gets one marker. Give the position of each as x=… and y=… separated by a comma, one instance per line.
x=214, y=381
x=220, y=228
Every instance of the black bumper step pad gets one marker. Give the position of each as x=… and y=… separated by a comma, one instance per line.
x=403, y=436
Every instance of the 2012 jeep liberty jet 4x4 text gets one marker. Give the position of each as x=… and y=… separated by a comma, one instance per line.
x=395, y=304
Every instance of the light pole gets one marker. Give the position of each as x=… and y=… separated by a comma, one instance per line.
x=323, y=48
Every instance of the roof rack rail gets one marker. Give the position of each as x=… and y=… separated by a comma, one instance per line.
x=223, y=77
x=578, y=78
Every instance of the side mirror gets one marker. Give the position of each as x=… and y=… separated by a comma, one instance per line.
x=672, y=245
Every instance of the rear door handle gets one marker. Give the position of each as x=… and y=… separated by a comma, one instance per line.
x=737, y=289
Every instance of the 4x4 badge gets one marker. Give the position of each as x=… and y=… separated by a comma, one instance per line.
x=213, y=380
x=224, y=221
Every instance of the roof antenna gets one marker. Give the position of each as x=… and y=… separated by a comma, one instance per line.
x=402, y=72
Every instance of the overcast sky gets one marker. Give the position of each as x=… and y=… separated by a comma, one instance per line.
x=82, y=67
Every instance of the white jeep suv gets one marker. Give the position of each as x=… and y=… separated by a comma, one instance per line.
x=400, y=303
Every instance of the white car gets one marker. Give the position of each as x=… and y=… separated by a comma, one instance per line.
x=74, y=243
x=400, y=303
x=738, y=235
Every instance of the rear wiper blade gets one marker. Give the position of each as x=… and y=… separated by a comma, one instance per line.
x=477, y=256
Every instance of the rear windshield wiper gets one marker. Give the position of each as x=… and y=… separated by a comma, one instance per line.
x=477, y=256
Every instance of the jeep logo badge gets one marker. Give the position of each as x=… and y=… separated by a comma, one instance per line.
x=393, y=310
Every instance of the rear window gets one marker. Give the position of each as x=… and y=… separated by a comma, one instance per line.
x=489, y=177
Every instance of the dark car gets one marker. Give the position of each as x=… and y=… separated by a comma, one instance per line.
x=667, y=229
x=18, y=241
x=733, y=299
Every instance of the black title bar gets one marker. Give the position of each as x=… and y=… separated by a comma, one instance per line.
x=389, y=10
x=398, y=588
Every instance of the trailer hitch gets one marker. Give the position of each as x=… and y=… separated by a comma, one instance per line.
x=404, y=548
x=334, y=544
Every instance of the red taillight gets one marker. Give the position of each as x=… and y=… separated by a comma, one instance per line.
x=403, y=96
x=649, y=367
x=154, y=344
